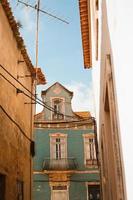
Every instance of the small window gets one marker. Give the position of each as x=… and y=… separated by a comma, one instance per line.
x=58, y=148
x=58, y=107
x=2, y=186
x=97, y=4
x=20, y=190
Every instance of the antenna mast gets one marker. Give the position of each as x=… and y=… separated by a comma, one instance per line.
x=37, y=8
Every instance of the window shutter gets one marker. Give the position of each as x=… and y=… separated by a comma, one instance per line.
x=53, y=148
x=63, y=148
x=94, y=147
x=87, y=149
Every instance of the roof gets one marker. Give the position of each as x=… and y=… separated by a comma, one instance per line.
x=40, y=76
x=45, y=91
x=39, y=116
x=20, y=42
x=83, y=114
x=85, y=21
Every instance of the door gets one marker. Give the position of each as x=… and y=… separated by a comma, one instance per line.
x=93, y=192
x=2, y=186
x=59, y=195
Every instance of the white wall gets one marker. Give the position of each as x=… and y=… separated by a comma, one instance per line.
x=120, y=21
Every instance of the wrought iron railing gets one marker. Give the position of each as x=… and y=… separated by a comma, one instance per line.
x=60, y=164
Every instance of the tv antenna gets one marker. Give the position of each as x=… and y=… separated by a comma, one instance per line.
x=38, y=10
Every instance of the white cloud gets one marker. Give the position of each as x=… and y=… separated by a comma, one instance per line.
x=28, y=20
x=83, y=96
x=82, y=99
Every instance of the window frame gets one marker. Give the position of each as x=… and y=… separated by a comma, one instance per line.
x=58, y=136
x=86, y=137
x=20, y=190
x=92, y=184
x=62, y=110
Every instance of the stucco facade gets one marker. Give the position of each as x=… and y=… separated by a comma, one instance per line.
x=113, y=70
x=63, y=166
x=16, y=110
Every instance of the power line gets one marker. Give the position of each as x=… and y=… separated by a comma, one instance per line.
x=20, y=91
x=9, y=117
x=40, y=101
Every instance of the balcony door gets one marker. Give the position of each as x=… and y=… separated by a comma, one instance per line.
x=58, y=151
x=58, y=146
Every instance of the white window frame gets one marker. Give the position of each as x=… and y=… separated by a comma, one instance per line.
x=63, y=105
x=58, y=136
x=86, y=138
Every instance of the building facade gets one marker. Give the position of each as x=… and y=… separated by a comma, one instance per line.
x=65, y=164
x=16, y=110
x=113, y=102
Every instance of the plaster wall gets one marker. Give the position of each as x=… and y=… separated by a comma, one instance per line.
x=120, y=29
x=15, y=157
x=64, y=95
x=117, y=41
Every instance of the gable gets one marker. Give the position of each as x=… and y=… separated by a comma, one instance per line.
x=57, y=90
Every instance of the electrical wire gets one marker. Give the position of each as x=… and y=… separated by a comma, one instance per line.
x=44, y=104
x=11, y=119
x=20, y=91
x=22, y=85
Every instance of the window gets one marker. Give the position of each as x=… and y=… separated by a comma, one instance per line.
x=97, y=4
x=93, y=192
x=19, y=190
x=90, y=150
x=58, y=146
x=2, y=186
x=58, y=108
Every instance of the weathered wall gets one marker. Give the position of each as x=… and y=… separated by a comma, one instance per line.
x=113, y=181
x=66, y=98
x=15, y=158
x=75, y=149
x=119, y=19
x=75, y=146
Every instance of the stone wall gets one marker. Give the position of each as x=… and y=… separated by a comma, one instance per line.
x=15, y=157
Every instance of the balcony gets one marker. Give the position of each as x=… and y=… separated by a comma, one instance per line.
x=60, y=164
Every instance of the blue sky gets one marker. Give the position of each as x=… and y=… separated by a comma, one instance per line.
x=60, y=45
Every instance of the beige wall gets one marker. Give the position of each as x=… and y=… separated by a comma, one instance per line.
x=110, y=143
x=15, y=159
